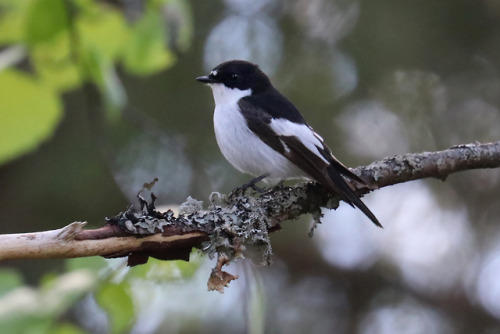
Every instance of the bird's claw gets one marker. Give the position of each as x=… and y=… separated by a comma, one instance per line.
x=240, y=190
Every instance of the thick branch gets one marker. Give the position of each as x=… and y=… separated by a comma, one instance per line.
x=72, y=241
x=233, y=221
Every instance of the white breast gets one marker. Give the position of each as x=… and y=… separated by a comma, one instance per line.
x=239, y=145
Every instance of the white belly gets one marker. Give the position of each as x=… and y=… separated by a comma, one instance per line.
x=247, y=152
x=239, y=145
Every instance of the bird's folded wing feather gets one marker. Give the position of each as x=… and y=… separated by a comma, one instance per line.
x=303, y=147
x=294, y=139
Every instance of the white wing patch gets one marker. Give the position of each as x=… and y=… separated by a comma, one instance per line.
x=285, y=146
x=304, y=133
x=317, y=136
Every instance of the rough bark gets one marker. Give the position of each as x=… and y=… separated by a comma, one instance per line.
x=234, y=222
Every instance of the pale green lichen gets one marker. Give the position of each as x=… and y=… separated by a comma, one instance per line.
x=190, y=206
x=239, y=221
x=234, y=223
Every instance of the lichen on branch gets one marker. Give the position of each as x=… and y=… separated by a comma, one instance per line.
x=232, y=223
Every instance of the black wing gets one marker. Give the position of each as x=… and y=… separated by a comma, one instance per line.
x=329, y=175
x=259, y=115
x=274, y=104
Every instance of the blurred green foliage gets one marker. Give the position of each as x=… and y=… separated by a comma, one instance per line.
x=48, y=48
x=28, y=310
x=374, y=78
x=29, y=113
x=115, y=299
x=53, y=46
x=159, y=271
x=36, y=310
x=9, y=279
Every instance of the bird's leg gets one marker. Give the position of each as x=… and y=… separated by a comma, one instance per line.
x=251, y=184
x=277, y=187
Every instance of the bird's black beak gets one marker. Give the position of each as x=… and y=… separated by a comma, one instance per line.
x=205, y=79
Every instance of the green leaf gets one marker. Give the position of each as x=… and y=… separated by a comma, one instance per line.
x=29, y=113
x=28, y=310
x=116, y=301
x=99, y=52
x=9, y=279
x=66, y=328
x=55, y=64
x=13, y=18
x=103, y=74
x=146, y=51
x=58, y=293
x=46, y=18
x=26, y=324
x=161, y=271
x=104, y=32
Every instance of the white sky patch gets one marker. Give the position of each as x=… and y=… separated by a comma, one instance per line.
x=254, y=38
x=372, y=130
x=488, y=284
x=346, y=241
x=283, y=127
x=429, y=245
x=404, y=317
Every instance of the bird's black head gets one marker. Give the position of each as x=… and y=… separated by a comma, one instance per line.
x=238, y=74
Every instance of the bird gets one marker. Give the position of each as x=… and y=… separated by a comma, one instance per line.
x=261, y=133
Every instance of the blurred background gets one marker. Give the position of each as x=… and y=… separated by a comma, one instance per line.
x=99, y=97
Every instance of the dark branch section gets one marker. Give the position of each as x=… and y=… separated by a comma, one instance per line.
x=241, y=220
x=173, y=250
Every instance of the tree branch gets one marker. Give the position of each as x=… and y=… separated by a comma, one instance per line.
x=235, y=222
x=72, y=241
x=440, y=164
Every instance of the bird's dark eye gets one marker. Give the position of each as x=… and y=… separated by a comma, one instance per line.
x=234, y=77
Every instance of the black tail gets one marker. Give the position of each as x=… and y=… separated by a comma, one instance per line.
x=345, y=192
